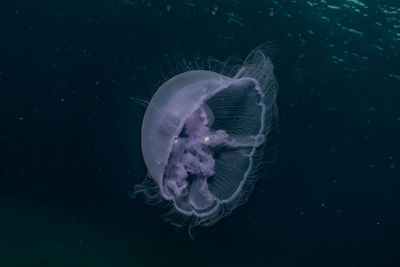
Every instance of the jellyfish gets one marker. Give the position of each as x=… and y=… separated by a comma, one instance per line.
x=204, y=136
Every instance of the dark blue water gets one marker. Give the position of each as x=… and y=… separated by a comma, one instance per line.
x=70, y=132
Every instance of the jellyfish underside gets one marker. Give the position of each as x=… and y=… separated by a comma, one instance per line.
x=200, y=149
x=202, y=137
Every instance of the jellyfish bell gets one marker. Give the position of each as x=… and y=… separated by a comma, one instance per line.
x=203, y=138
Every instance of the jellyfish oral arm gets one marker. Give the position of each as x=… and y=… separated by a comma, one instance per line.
x=192, y=160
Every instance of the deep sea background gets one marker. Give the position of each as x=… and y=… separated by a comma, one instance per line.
x=70, y=132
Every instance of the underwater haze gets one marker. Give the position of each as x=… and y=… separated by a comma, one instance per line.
x=76, y=78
